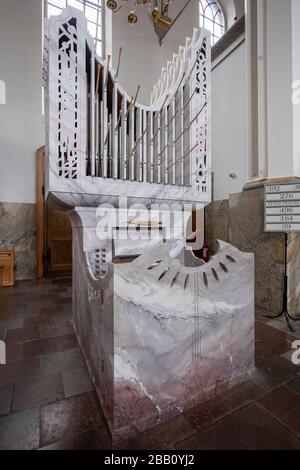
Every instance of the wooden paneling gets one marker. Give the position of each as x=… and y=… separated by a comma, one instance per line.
x=7, y=262
x=59, y=241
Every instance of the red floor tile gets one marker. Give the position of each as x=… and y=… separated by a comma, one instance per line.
x=68, y=417
x=250, y=428
x=284, y=404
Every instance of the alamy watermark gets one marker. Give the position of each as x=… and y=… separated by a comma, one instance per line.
x=139, y=222
x=296, y=353
x=296, y=92
x=2, y=353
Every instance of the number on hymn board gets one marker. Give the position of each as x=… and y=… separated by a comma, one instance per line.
x=287, y=196
x=273, y=189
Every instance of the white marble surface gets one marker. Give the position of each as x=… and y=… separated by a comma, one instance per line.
x=89, y=191
x=158, y=341
x=177, y=345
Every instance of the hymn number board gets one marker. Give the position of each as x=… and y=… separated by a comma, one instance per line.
x=282, y=207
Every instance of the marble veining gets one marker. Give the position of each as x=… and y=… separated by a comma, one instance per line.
x=241, y=222
x=160, y=337
x=17, y=230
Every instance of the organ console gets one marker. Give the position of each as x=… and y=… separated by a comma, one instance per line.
x=159, y=332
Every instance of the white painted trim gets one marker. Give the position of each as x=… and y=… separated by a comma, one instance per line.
x=262, y=89
x=229, y=50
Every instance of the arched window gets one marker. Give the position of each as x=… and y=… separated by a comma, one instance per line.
x=212, y=18
x=93, y=13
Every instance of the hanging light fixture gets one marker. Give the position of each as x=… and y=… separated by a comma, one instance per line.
x=158, y=9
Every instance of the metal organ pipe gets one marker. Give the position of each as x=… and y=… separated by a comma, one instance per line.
x=132, y=142
x=158, y=144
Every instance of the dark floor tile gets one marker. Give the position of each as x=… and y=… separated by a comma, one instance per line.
x=5, y=315
x=19, y=371
x=64, y=343
x=47, y=312
x=64, y=281
x=14, y=352
x=160, y=437
x=294, y=384
x=64, y=444
x=39, y=297
x=93, y=439
x=13, y=324
x=273, y=371
x=38, y=392
x=64, y=316
x=37, y=320
x=77, y=381
x=269, y=340
x=208, y=412
x=54, y=330
x=68, y=418
x=14, y=304
x=62, y=300
x=39, y=347
x=6, y=394
x=62, y=362
x=20, y=431
x=22, y=334
x=284, y=404
x=32, y=349
x=49, y=345
x=250, y=428
x=58, y=290
x=30, y=312
x=55, y=314
x=2, y=333
x=243, y=394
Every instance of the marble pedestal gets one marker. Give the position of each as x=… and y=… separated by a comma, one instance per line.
x=160, y=337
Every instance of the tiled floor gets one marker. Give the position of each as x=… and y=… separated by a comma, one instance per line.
x=47, y=399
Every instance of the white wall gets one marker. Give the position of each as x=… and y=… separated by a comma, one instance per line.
x=143, y=57
x=229, y=124
x=296, y=78
x=279, y=81
x=143, y=60
x=21, y=127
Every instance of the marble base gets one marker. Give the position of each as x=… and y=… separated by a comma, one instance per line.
x=17, y=230
x=241, y=221
x=160, y=337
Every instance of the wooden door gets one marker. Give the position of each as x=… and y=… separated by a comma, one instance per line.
x=59, y=241
x=40, y=212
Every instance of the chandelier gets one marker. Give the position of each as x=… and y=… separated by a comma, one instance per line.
x=158, y=9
